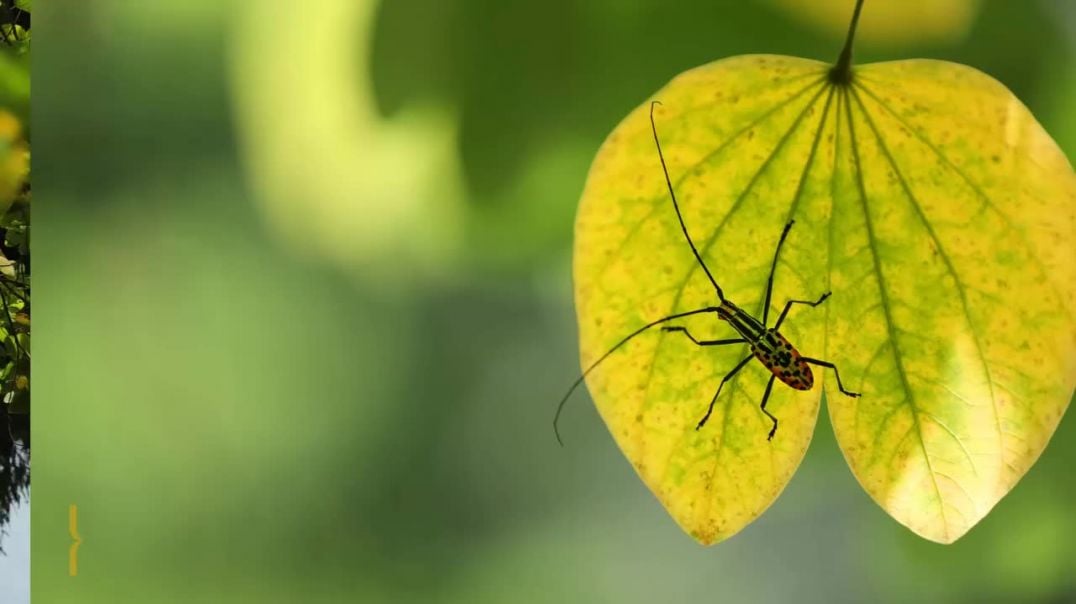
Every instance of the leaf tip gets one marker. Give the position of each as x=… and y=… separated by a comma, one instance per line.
x=705, y=538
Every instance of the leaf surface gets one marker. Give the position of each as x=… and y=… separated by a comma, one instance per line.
x=926, y=198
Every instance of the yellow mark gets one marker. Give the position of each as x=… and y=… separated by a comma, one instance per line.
x=72, y=529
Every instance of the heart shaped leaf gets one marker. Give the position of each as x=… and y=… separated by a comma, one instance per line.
x=925, y=197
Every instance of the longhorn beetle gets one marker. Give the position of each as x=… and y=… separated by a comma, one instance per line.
x=767, y=344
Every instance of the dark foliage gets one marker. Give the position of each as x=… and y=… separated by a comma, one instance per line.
x=14, y=311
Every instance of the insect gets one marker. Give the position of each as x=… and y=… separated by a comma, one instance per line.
x=767, y=344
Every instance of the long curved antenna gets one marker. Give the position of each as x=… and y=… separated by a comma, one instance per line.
x=676, y=206
x=593, y=365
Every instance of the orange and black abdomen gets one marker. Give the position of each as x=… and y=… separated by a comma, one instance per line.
x=784, y=361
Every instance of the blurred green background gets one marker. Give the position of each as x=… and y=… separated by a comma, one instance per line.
x=306, y=311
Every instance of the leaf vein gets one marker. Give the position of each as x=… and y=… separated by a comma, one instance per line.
x=945, y=259
x=883, y=293
x=657, y=202
x=1043, y=271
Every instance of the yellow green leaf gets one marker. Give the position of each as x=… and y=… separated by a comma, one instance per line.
x=926, y=198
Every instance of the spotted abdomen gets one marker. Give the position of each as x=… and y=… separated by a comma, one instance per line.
x=783, y=360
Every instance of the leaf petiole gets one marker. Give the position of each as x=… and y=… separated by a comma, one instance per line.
x=841, y=73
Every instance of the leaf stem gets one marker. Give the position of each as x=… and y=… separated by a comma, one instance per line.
x=841, y=73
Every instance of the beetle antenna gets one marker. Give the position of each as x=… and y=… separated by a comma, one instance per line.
x=676, y=206
x=560, y=407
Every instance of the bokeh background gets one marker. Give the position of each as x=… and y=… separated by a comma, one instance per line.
x=306, y=308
